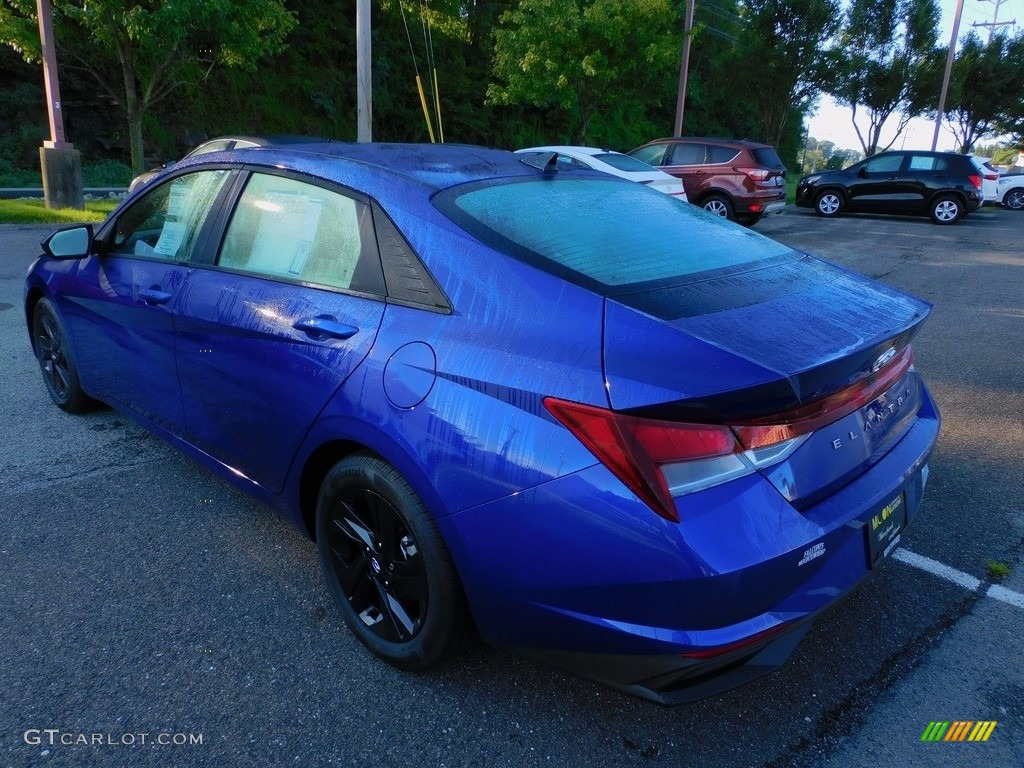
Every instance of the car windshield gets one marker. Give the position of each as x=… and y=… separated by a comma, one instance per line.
x=624, y=162
x=611, y=236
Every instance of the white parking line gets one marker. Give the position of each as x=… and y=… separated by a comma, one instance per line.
x=959, y=578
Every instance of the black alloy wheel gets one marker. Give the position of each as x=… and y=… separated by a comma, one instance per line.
x=387, y=566
x=56, y=361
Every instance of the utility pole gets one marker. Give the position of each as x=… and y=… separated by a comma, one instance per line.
x=995, y=23
x=949, y=70
x=364, y=79
x=61, y=163
x=684, y=68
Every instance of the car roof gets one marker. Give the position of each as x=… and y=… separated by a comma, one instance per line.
x=437, y=166
x=571, y=150
x=710, y=139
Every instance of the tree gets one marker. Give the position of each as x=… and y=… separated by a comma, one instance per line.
x=582, y=56
x=141, y=51
x=986, y=84
x=787, y=40
x=887, y=64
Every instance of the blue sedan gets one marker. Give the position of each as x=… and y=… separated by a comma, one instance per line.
x=593, y=422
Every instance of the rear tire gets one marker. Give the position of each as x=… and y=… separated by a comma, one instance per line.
x=946, y=210
x=387, y=566
x=719, y=206
x=1014, y=199
x=56, y=362
x=829, y=204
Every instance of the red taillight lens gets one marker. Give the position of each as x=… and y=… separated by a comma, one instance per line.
x=976, y=181
x=635, y=449
x=757, y=174
x=807, y=419
x=632, y=448
x=991, y=177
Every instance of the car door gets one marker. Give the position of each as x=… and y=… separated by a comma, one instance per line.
x=121, y=313
x=270, y=330
x=925, y=174
x=878, y=185
x=688, y=161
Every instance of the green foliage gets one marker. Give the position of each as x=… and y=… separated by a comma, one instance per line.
x=997, y=570
x=581, y=56
x=106, y=173
x=886, y=64
x=985, y=87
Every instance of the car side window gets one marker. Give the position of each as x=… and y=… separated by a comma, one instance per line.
x=687, y=154
x=652, y=155
x=926, y=163
x=287, y=228
x=721, y=154
x=884, y=164
x=165, y=223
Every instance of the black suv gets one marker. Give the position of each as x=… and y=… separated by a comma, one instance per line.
x=943, y=185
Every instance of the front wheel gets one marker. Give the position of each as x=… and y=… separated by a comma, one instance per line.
x=719, y=206
x=946, y=210
x=60, y=374
x=828, y=204
x=387, y=566
x=1014, y=199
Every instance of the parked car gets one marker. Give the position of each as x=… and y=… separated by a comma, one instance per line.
x=610, y=161
x=737, y=180
x=1010, y=188
x=943, y=185
x=599, y=426
x=989, y=179
x=220, y=144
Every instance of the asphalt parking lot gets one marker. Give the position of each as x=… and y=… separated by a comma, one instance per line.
x=155, y=613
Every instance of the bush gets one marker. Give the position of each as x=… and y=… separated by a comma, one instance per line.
x=106, y=173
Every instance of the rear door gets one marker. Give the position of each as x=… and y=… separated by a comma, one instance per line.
x=271, y=328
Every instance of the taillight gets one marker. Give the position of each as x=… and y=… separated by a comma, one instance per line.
x=659, y=460
x=976, y=181
x=757, y=174
x=991, y=177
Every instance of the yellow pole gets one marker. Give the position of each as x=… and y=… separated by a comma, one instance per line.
x=437, y=106
x=426, y=112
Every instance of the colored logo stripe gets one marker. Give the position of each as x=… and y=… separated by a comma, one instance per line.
x=958, y=730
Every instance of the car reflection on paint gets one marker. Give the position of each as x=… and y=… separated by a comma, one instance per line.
x=594, y=422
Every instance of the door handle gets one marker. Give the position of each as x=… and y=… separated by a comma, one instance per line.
x=326, y=326
x=154, y=296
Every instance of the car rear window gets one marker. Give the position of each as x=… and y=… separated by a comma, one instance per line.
x=611, y=236
x=624, y=162
x=767, y=157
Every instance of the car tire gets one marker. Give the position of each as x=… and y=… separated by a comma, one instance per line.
x=56, y=361
x=946, y=209
x=719, y=206
x=829, y=203
x=1014, y=199
x=387, y=566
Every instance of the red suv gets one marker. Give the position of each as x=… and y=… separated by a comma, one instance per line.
x=739, y=180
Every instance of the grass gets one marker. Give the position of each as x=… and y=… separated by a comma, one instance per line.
x=997, y=571
x=35, y=212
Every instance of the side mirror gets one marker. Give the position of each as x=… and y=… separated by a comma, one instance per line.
x=70, y=243
x=863, y=172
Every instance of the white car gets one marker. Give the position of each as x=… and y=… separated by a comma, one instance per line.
x=989, y=179
x=615, y=163
x=1010, y=188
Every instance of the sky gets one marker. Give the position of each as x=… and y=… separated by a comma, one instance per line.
x=832, y=122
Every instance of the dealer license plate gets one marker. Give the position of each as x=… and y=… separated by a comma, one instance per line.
x=884, y=527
